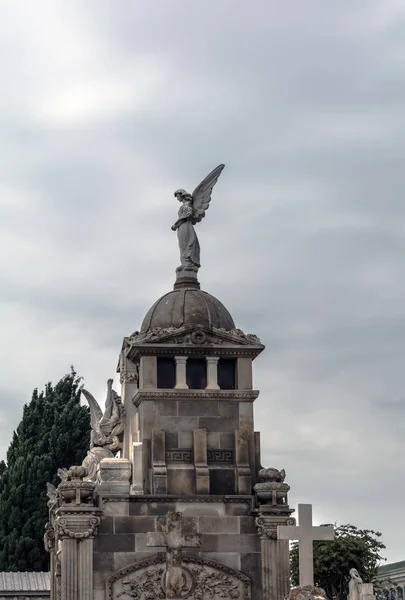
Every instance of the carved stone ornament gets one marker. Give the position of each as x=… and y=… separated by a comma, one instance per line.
x=84, y=528
x=203, y=579
x=49, y=538
x=267, y=527
x=196, y=335
x=130, y=376
x=271, y=474
x=271, y=488
x=73, y=489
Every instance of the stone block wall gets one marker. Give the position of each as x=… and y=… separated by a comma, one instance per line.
x=228, y=535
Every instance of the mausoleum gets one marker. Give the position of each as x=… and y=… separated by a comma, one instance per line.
x=172, y=500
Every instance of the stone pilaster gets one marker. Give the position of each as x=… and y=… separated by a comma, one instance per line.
x=212, y=372
x=202, y=475
x=137, y=476
x=181, y=377
x=129, y=379
x=159, y=469
x=243, y=471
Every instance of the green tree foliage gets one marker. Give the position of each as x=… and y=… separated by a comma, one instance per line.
x=352, y=548
x=53, y=433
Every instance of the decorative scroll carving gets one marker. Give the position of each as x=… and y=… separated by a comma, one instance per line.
x=130, y=376
x=49, y=538
x=267, y=526
x=196, y=335
x=63, y=529
x=239, y=335
x=147, y=586
x=203, y=579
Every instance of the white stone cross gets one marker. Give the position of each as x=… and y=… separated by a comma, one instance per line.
x=305, y=533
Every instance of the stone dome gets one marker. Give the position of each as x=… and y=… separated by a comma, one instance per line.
x=185, y=307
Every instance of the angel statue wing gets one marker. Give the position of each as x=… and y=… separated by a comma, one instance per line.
x=202, y=194
x=96, y=414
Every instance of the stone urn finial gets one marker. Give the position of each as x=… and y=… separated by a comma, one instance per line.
x=73, y=489
x=271, y=488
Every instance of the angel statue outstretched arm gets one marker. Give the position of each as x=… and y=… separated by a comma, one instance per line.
x=192, y=211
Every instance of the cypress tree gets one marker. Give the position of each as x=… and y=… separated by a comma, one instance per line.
x=54, y=433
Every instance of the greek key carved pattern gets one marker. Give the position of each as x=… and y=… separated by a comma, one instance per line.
x=213, y=456
x=179, y=455
x=220, y=456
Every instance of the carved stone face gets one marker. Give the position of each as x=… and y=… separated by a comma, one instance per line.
x=180, y=194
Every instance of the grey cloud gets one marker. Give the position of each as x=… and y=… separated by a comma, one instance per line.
x=107, y=109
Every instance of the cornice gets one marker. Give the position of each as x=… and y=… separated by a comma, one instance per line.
x=178, y=394
x=231, y=351
x=180, y=499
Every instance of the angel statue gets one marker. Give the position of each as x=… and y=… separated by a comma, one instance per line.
x=192, y=211
x=354, y=585
x=105, y=430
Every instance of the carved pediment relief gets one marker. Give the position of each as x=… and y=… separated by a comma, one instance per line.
x=203, y=579
x=196, y=336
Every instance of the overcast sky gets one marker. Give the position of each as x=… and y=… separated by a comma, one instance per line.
x=107, y=107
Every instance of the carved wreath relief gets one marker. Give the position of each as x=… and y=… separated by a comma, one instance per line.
x=200, y=582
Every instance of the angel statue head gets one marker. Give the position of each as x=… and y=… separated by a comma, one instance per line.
x=182, y=195
x=192, y=211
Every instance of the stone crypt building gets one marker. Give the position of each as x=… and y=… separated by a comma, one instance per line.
x=172, y=500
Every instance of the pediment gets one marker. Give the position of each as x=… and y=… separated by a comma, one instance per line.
x=203, y=579
x=194, y=336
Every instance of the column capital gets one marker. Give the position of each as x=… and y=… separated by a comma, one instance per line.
x=76, y=522
x=267, y=525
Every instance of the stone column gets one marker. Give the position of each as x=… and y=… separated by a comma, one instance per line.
x=73, y=524
x=212, y=372
x=85, y=571
x=69, y=569
x=181, y=379
x=268, y=547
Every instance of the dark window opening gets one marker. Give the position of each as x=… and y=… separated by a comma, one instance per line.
x=227, y=373
x=166, y=373
x=196, y=373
